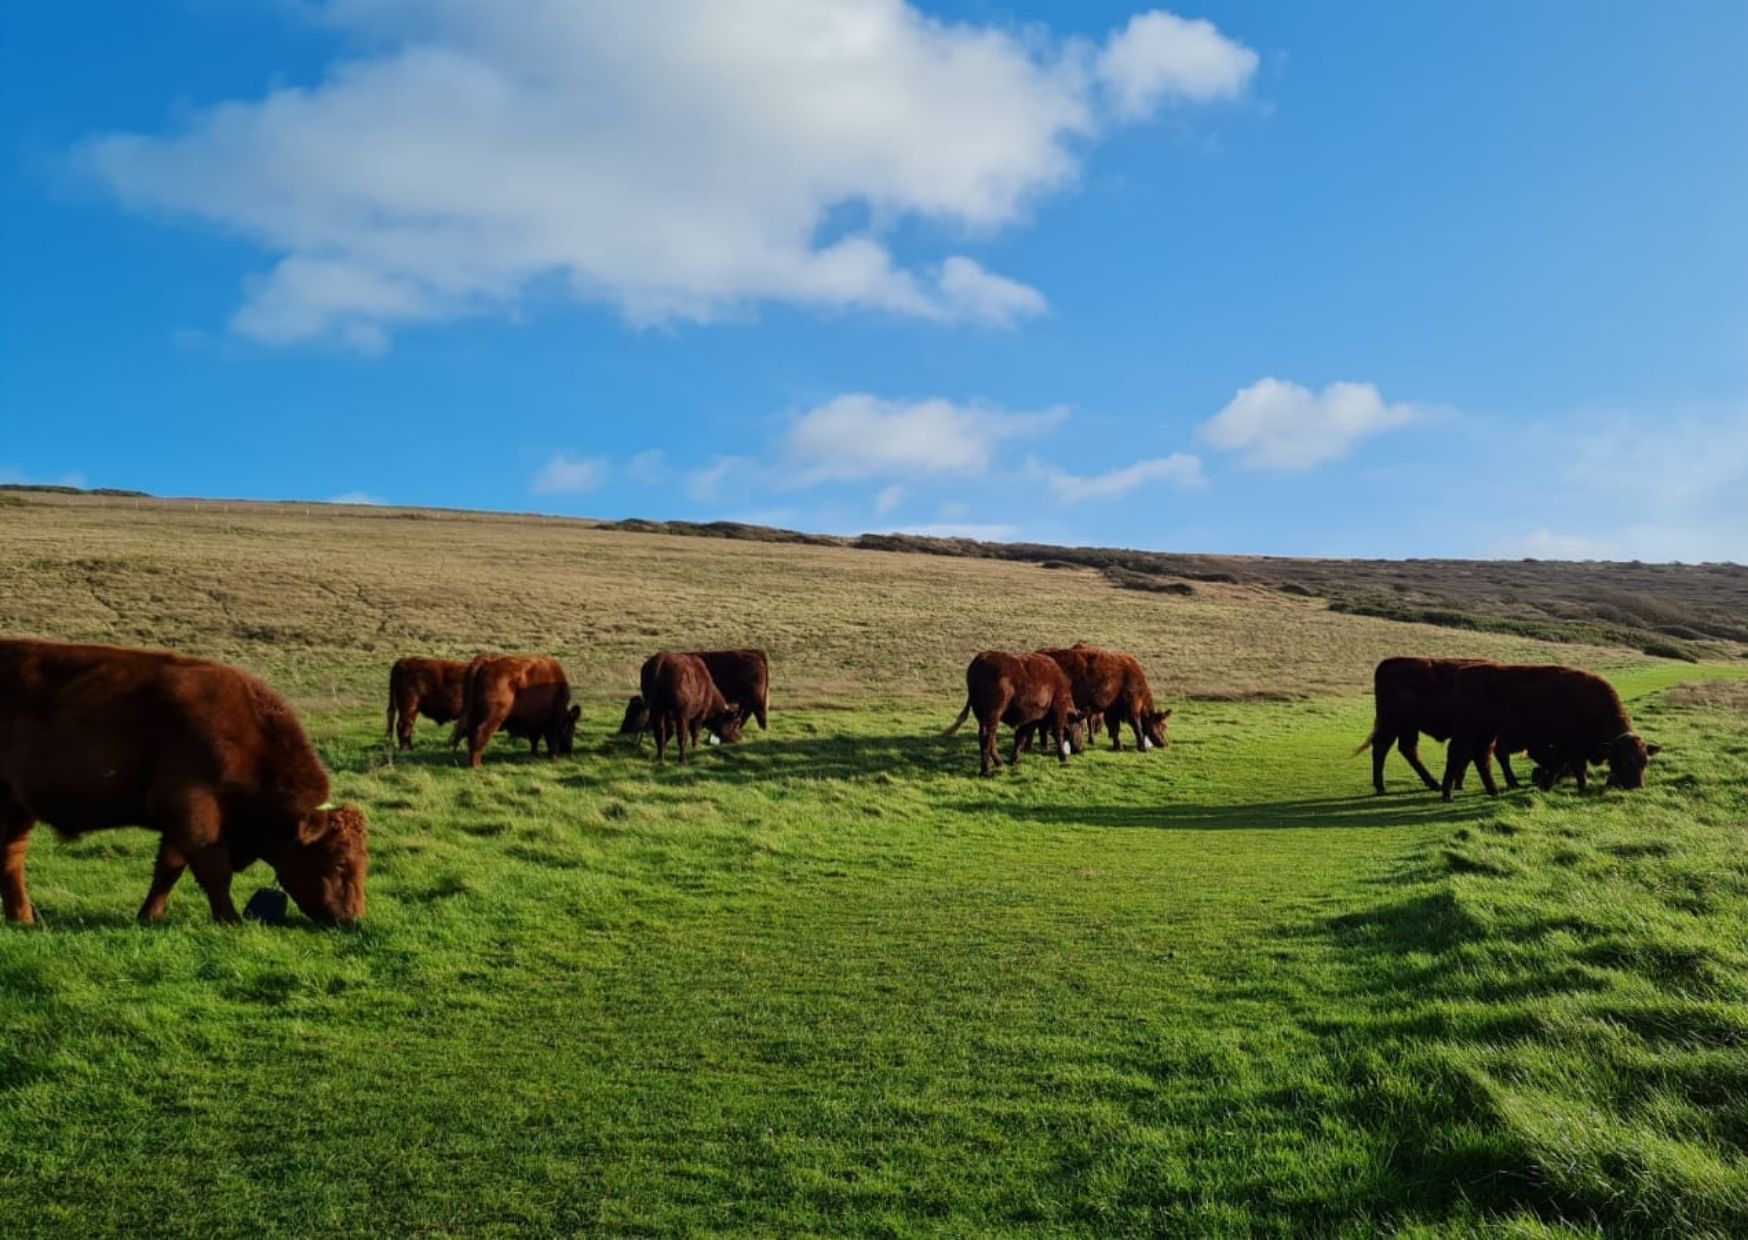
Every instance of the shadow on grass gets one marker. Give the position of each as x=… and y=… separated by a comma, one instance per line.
x=1327, y=813
x=761, y=759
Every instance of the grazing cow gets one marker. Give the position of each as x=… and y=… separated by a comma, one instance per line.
x=432, y=687
x=742, y=676
x=1026, y=692
x=94, y=737
x=683, y=699
x=1566, y=717
x=1416, y=695
x=525, y=695
x=1110, y=685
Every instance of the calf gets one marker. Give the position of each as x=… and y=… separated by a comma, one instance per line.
x=682, y=700
x=434, y=687
x=527, y=696
x=1567, y=717
x=1023, y=691
x=95, y=737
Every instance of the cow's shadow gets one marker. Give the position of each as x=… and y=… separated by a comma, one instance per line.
x=762, y=758
x=1320, y=813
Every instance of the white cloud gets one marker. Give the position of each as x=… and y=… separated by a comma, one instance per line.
x=1547, y=545
x=1285, y=427
x=674, y=159
x=569, y=475
x=969, y=292
x=361, y=498
x=1180, y=469
x=862, y=436
x=649, y=468
x=888, y=499
x=705, y=485
x=1159, y=56
x=949, y=529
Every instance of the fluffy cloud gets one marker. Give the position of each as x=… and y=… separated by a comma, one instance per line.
x=1547, y=545
x=676, y=159
x=1159, y=56
x=862, y=436
x=1180, y=469
x=1285, y=427
x=359, y=498
x=649, y=468
x=569, y=475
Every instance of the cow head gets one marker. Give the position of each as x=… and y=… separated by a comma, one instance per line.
x=1153, y=727
x=561, y=731
x=636, y=717
x=1628, y=756
x=726, y=723
x=324, y=865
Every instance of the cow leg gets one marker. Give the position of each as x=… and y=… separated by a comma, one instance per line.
x=762, y=709
x=661, y=735
x=168, y=869
x=986, y=744
x=1581, y=773
x=1505, y=768
x=1409, y=745
x=15, y=828
x=1014, y=754
x=1381, y=742
x=1457, y=756
x=1141, y=741
x=1114, y=725
x=1484, y=768
x=478, y=739
x=193, y=828
x=1060, y=730
x=404, y=730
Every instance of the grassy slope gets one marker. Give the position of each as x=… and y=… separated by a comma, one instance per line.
x=828, y=981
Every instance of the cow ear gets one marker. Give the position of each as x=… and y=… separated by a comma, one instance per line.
x=1652, y=751
x=576, y=713
x=313, y=826
x=1166, y=713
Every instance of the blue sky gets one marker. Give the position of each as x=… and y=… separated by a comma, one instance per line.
x=1345, y=279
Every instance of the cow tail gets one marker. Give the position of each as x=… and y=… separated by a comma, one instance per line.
x=957, y=723
x=1367, y=743
x=391, y=711
x=469, y=692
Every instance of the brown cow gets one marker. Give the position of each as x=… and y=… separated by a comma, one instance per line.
x=526, y=695
x=1024, y=691
x=742, y=676
x=94, y=737
x=683, y=699
x=1565, y=716
x=433, y=687
x=1110, y=685
x=1416, y=695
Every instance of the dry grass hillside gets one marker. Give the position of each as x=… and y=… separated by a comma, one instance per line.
x=322, y=599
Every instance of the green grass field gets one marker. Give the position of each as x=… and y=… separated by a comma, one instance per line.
x=830, y=982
